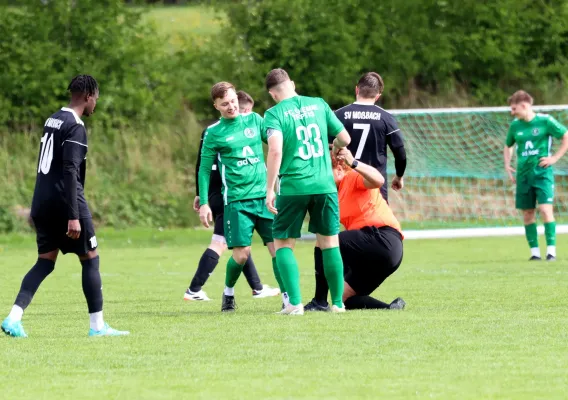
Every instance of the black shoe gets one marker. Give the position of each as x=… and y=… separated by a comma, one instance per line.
x=314, y=305
x=535, y=258
x=228, y=303
x=397, y=304
x=550, y=257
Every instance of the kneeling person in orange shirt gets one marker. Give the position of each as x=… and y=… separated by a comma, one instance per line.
x=371, y=246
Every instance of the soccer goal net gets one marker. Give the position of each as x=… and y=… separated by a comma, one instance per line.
x=455, y=176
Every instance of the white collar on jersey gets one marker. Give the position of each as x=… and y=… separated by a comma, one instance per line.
x=360, y=103
x=77, y=119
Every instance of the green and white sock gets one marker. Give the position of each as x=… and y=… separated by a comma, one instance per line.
x=532, y=238
x=277, y=275
x=333, y=269
x=232, y=274
x=288, y=268
x=550, y=234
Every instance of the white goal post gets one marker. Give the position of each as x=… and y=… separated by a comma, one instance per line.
x=455, y=183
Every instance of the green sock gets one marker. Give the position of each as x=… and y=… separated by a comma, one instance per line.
x=550, y=233
x=234, y=270
x=277, y=275
x=333, y=269
x=289, y=273
x=532, y=235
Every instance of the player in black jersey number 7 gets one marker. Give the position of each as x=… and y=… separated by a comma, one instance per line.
x=59, y=211
x=371, y=129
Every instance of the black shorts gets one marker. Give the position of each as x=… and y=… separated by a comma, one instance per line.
x=217, y=208
x=51, y=234
x=370, y=255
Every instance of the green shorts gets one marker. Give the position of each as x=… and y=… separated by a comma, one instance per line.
x=534, y=189
x=323, y=210
x=242, y=218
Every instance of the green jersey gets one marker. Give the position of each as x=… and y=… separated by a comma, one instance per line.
x=304, y=123
x=238, y=146
x=533, y=140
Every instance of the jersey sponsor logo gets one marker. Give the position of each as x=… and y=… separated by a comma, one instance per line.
x=362, y=115
x=250, y=133
x=535, y=132
x=529, y=150
x=249, y=157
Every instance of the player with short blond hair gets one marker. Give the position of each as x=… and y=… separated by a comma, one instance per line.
x=532, y=134
x=235, y=141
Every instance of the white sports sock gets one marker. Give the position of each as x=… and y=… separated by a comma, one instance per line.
x=551, y=250
x=16, y=313
x=229, y=291
x=97, y=322
x=535, y=251
x=285, y=299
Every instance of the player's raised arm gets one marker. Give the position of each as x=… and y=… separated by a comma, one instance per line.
x=74, y=152
x=372, y=178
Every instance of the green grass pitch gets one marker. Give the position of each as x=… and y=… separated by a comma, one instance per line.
x=481, y=322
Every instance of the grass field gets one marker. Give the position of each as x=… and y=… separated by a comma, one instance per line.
x=481, y=322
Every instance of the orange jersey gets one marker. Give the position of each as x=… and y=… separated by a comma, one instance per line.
x=359, y=206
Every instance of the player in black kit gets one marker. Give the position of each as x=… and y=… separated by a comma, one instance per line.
x=372, y=129
x=59, y=210
x=210, y=257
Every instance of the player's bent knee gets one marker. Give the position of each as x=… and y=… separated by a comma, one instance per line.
x=89, y=256
x=347, y=291
x=241, y=254
x=51, y=256
x=218, y=246
x=529, y=216
x=327, y=242
x=547, y=212
x=271, y=249
x=284, y=243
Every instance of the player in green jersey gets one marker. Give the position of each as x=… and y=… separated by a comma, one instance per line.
x=236, y=141
x=532, y=134
x=297, y=130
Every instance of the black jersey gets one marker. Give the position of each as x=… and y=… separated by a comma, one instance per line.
x=372, y=129
x=61, y=168
x=215, y=182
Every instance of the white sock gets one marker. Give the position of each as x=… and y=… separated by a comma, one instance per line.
x=229, y=291
x=97, y=322
x=535, y=251
x=16, y=313
x=285, y=299
x=551, y=250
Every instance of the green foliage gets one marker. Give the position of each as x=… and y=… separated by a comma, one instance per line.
x=44, y=45
x=138, y=177
x=153, y=67
x=430, y=47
